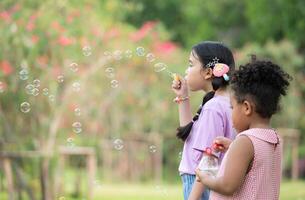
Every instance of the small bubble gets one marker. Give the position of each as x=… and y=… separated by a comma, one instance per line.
x=29, y=89
x=36, y=83
x=74, y=67
x=76, y=86
x=114, y=83
x=52, y=98
x=24, y=74
x=140, y=51
x=87, y=51
x=77, y=111
x=150, y=57
x=45, y=91
x=25, y=107
x=152, y=149
x=160, y=67
x=70, y=139
x=107, y=54
x=109, y=72
x=60, y=78
x=35, y=92
x=118, y=144
x=117, y=55
x=128, y=53
x=77, y=127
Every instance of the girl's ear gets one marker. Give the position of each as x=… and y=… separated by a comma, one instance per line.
x=208, y=73
x=247, y=108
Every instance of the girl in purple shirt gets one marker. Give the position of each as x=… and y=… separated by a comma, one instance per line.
x=210, y=67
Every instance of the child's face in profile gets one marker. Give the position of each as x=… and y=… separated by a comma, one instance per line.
x=240, y=114
x=195, y=74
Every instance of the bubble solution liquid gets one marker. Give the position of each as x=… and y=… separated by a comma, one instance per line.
x=209, y=163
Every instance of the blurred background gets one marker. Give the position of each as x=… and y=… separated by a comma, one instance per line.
x=86, y=107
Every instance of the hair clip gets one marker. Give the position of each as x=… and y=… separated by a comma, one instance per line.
x=221, y=70
x=212, y=63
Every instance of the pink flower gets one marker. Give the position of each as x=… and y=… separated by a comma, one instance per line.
x=6, y=67
x=64, y=41
x=30, y=26
x=114, y=32
x=5, y=15
x=34, y=39
x=165, y=47
x=143, y=31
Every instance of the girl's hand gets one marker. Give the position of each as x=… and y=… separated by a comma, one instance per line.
x=201, y=176
x=221, y=144
x=179, y=86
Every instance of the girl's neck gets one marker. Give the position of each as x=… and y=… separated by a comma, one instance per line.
x=259, y=122
x=222, y=92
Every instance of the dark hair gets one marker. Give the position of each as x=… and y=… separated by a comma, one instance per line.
x=263, y=82
x=207, y=51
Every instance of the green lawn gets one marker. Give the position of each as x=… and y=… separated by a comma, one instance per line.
x=289, y=191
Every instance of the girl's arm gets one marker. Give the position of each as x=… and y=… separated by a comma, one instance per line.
x=239, y=158
x=197, y=190
x=181, y=90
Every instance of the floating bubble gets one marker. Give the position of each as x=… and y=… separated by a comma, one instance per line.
x=160, y=67
x=76, y=86
x=107, y=54
x=45, y=91
x=140, y=51
x=60, y=78
x=36, y=83
x=24, y=74
x=109, y=72
x=77, y=127
x=117, y=55
x=25, y=107
x=74, y=67
x=118, y=144
x=87, y=51
x=29, y=89
x=150, y=57
x=70, y=142
x=152, y=149
x=51, y=97
x=2, y=87
x=35, y=92
x=128, y=53
x=114, y=83
x=77, y=111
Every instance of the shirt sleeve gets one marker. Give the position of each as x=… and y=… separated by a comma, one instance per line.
x=210, y=125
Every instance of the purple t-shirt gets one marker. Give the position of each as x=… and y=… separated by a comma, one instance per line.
x=214, y=120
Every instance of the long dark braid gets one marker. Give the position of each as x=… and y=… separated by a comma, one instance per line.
x=207, y=51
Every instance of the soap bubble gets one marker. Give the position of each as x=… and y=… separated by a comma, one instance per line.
x=76, y=86
x=160, y=67
x=25, y=107
x=52, y=98
x=107, y=54
x=77, y=111
x=36, y=83
x=45, y=91
x=87, y=51
x=70, y=142
x=35, y=92
x=128, y=53
x=118, y=144
x=150, y=57
x=74, y=67
x=152, y=149
x=60, y=78
x=109, y=72
x=117, y=55
x=29, y=89
x=114, y=83
x=24, y=74
x=140, y=51
x=77, y=127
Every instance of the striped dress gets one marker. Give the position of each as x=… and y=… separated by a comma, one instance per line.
x=262, y=182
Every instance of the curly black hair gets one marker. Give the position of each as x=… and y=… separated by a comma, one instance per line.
x=264, y=82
